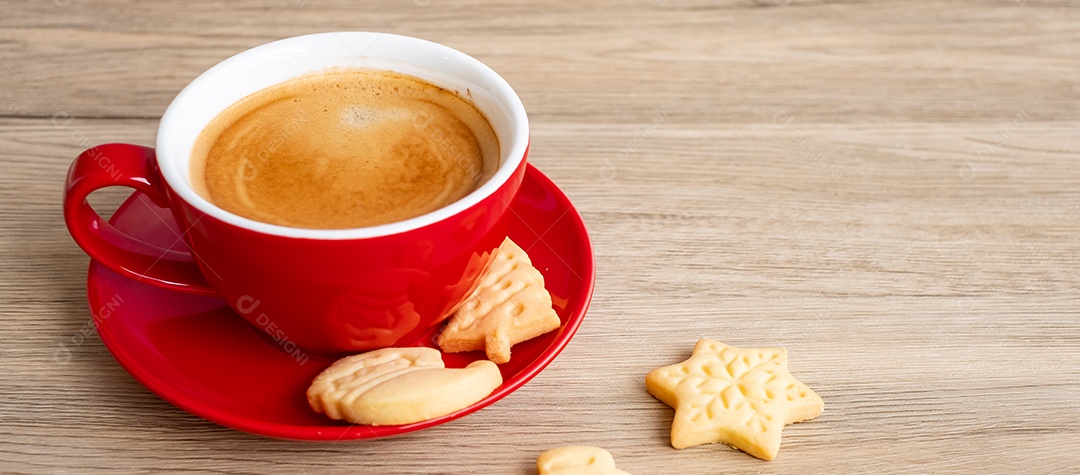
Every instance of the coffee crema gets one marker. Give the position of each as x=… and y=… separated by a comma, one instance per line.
x=344, y=149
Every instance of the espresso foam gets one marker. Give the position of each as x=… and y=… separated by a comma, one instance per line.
x=344, y=149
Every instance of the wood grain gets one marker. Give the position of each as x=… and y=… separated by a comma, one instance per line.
x=911, y=234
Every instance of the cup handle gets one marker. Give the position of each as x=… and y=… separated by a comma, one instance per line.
x=136, y=167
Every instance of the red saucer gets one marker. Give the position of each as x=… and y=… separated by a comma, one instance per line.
x=200, y=356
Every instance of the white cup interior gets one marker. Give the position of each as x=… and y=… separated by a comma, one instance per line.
x=264, y=66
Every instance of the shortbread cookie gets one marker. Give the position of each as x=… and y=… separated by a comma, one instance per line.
x=395, y=386
x=577, y=460
x=510, y=306
x=742, y=397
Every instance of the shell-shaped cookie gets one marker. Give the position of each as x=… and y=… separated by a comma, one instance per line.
x=395, y=386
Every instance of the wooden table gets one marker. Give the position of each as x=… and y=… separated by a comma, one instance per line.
x=886, y=188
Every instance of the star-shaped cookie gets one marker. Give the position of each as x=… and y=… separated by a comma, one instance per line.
x=742, y=397
x=509, y=306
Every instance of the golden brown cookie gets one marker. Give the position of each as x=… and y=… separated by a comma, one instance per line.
x=510, y=306
x=742, y=397
x=395, y=386
x=577, y=460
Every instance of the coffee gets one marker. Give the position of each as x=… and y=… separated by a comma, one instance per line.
x=344, y=149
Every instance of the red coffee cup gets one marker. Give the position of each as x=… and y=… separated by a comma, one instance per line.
x=326, y=291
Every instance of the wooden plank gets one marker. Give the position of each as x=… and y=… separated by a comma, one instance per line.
x=910, y=234
x=849, y=63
